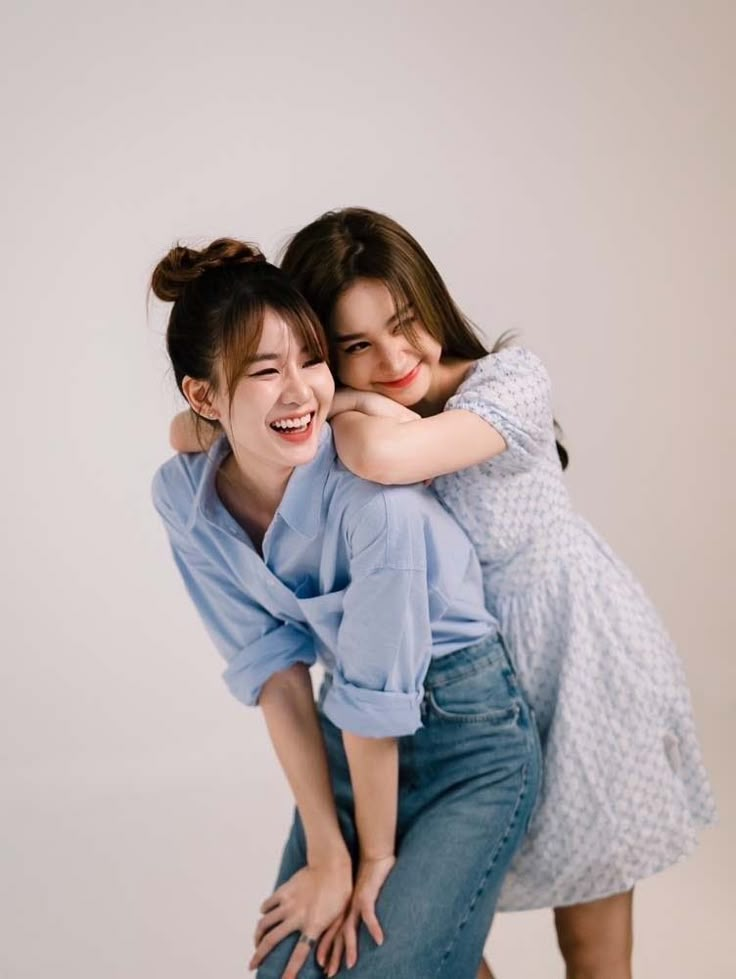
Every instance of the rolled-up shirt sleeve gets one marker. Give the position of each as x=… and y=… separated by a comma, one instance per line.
x=385, y=639
x=254, y=644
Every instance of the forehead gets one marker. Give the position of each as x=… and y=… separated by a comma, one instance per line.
x=277, y=335
x=365, y=304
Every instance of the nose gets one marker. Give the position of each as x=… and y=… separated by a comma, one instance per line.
x=295, y=390
x=393, y=357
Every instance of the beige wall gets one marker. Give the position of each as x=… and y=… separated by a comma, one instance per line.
x=570, y=168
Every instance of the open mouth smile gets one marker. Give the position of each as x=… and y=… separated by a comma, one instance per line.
x=296, y=429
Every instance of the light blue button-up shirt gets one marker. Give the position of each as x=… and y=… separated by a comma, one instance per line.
x=372, y=580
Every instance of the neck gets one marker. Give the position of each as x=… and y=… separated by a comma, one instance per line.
x=257, y=488
x=447, y=376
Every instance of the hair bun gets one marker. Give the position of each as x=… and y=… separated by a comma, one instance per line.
x=184, y=265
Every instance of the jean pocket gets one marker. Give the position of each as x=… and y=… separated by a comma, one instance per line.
x=486, y=694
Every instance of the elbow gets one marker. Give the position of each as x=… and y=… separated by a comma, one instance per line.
x=374, y=464
x=284, y=681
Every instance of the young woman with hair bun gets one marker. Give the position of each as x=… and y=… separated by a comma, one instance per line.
x=415, y=775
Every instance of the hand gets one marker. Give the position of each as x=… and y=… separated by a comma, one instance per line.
x=369, y=403
x=308, y=902
x=342, y=935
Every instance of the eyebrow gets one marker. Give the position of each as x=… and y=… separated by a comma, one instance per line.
x=398, y=315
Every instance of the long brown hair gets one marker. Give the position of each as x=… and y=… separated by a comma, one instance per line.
x=327, y=256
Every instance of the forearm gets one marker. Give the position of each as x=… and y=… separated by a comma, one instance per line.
x=374, y=772
x=288, y=706
x=375, y=447
x=185, y=435
x=394, y=451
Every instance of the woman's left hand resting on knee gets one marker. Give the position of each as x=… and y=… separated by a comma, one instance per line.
x=342, y=938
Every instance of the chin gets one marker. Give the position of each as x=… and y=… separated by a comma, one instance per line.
x=411, y=396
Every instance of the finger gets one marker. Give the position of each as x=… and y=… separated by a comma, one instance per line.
x=270, y=940
x=323, y=950
x=298, y=957
x=350, y=934
x=267, y=922
x=270, y=903
x=336, y=957
x=372, y=924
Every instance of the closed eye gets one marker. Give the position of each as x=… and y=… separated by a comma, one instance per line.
x=355, y=348
x=264, y=373
x=314, y=362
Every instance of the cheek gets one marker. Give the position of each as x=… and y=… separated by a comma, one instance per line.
x=430, y=349
x=324, y=385
x=346, y=371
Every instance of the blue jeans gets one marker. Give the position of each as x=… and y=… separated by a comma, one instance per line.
x=468, y=780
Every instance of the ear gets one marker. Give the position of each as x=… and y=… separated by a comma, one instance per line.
x=199, y=394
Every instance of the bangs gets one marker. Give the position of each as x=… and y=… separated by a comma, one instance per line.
x=407, y=307
x=307, y=328
x=243, y=334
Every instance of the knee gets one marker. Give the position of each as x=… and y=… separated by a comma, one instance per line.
x=273, y=968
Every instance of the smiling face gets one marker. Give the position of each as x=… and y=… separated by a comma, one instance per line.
x=280, y=402
x=373, y=349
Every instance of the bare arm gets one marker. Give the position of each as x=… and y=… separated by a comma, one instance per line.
x=287, y=703
x=374, y=773
x=186, y=436
x=318, y=894
x=390, y=451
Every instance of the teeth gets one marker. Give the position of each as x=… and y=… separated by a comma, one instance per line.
x=292, y=424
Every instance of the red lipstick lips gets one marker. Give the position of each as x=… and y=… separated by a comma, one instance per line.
x=404, y=381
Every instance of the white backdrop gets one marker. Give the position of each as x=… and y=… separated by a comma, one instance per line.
x=568, y=166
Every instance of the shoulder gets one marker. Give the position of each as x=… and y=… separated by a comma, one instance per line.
x=175, y=483
x=359, y=499
x=515, y=365
x=384, y=518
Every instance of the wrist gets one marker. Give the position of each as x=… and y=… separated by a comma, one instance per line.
x=346, y=399
x=376, y=854
x=336, y=862
x=328, y=852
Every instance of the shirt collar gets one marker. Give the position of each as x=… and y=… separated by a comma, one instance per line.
x=301, y=506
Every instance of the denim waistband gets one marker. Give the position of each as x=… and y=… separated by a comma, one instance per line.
x=447, y=668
